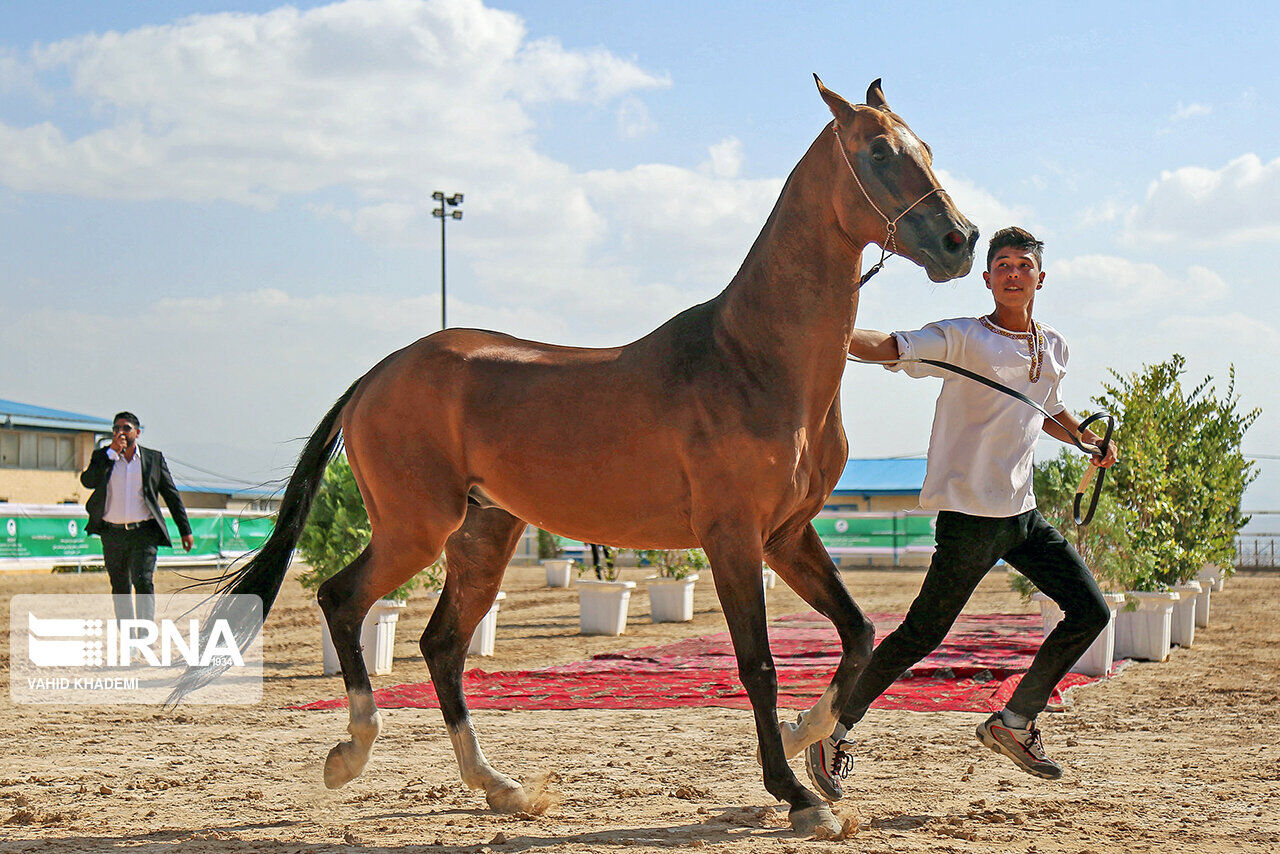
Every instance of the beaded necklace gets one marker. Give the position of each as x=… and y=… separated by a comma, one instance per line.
x=1034, y=339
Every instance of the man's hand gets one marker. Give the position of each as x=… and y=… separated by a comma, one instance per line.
x=188, y=542
x=117, y=443
x=1107, y=461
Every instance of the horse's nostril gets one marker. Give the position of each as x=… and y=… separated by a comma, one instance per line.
x=953, y=241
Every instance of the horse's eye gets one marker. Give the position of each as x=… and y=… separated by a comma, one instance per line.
x=879, y=153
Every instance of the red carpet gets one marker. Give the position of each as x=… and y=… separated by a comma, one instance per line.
x=975, y=670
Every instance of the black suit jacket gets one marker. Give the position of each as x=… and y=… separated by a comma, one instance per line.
x=156, y=481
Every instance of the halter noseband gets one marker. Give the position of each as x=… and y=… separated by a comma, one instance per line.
x=890, y=245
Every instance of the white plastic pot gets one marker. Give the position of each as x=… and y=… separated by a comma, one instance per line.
x=559, y=572
x=1212, y=574
x=769, y=577
x=1183, y=624
x=1145, y=633
x=486, y=633
x=1202, y=605
x=671, y=599
x=1098, y=658
x=377, y=637
x=602, y=606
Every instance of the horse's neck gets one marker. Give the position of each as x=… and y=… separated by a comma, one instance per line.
x=794, y=299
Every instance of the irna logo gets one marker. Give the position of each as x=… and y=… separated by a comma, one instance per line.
x=120, y=643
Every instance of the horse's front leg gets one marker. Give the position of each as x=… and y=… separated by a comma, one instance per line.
x=735, y=550
x=804, y=564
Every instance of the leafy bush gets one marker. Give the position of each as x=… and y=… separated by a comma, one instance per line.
x=1172, y=504
x=338, y=530
x=676, y=564
x=1183, y=475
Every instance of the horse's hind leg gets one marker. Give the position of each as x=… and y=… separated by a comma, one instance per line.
x=804, y=564
x=477, y=558
x=384, y=565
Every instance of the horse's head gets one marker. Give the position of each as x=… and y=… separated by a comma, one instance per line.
x=886, y=192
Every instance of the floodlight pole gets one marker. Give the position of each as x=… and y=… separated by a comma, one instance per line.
x=444, y=213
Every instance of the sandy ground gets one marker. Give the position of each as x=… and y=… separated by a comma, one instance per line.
x=1178, y=756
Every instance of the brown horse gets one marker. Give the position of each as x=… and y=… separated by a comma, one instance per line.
x=725, y=434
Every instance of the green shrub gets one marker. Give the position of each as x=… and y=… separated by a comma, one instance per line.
x=677, y=564
x=338, y=530
x=1172, y=503
x=1182, y=476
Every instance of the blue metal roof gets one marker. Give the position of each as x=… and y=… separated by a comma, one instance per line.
x=882, y=477
x=228, y=489
x=14, y=414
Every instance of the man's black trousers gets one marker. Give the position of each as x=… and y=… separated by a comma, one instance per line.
x=130, y=557
x=968, y=546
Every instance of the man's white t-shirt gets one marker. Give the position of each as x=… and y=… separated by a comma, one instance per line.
x=981, y=447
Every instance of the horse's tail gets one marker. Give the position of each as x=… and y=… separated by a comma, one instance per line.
x=264, y=573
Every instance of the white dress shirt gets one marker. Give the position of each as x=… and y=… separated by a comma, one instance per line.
x=982, y=444
x=125, y=501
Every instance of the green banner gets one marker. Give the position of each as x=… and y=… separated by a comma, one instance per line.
x=49, y=533
x=46, y=536
x=875, y=533
x=870, y=533
x=241, y=534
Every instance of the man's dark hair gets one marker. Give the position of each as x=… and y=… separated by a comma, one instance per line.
x=127, y=416
x=1015, y=238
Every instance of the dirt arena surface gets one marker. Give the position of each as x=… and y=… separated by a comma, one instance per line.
x=1179, y=756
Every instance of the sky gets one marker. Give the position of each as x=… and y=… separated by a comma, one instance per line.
x=218, y=214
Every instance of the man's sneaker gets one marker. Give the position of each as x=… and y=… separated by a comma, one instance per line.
x=828, y=761
x=1021, y=745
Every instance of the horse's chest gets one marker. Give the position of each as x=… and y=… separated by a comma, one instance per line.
x=807, y=467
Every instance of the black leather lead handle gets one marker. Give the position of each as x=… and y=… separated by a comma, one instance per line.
x=1095, y=473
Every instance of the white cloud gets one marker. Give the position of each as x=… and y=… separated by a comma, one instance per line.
x=378, y=96
x=634, y=120
x=726, y=158
x=546, y=72
x=1108, y=210
x=1235, y=204
x=983, y=209
x=1118, y=286
x=1188, y=111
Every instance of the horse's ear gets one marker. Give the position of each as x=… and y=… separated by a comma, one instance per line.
x=875, y=96
x=840, y=108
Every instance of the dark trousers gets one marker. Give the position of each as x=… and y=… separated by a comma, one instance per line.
x=968, y=546
x=130, y=557
x=596, y=550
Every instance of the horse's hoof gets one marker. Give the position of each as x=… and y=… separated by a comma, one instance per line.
x=816, y=820
x=343, y=765
x=508, y=801
x=533, y=799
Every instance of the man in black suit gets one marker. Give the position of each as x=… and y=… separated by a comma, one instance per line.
x=126, y=479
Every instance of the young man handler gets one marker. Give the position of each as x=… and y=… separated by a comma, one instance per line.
x=979, y=481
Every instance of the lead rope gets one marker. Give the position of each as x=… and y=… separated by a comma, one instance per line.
x=890, y=244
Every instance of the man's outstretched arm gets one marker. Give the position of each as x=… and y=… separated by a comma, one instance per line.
x=873, y=346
